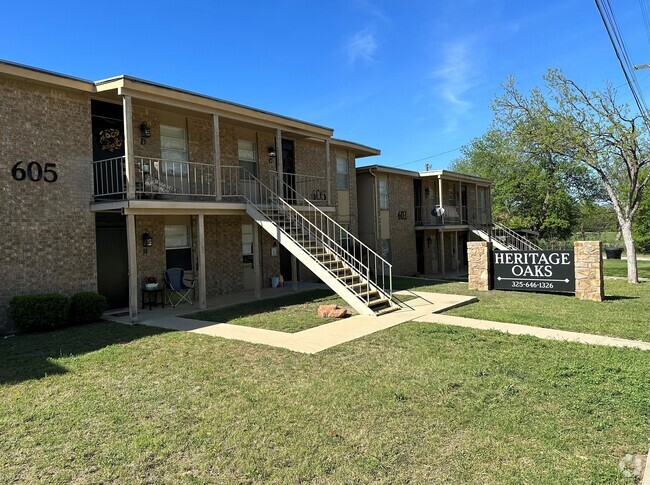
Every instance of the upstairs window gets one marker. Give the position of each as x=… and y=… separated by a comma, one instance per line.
x=247, y=155
x=342, y=173
x=383, y=194
x=173, y=149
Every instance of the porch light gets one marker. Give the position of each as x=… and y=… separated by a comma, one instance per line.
x=147, y=240
x=427, y=192
x=429, y=241
x=145, y=132
x=272, y=154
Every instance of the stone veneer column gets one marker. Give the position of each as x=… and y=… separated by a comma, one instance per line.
x=588, y=257
x=478, y=261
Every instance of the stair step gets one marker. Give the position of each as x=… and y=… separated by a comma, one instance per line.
x=377, y=302
x=348, y=279
x=368, y=295
x=384, y=311
x=359, y=285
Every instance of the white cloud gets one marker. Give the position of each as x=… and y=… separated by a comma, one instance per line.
x=455, y=78
x=362, y=46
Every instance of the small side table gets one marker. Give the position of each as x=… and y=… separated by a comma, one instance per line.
x=152, y=297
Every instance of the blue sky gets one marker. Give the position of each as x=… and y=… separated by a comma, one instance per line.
x=412, y=78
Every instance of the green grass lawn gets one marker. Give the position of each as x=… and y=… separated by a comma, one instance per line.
x=624, y=313
x=292, y=313
x=618, y=267
x=418, y=403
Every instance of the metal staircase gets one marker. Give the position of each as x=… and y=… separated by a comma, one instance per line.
x=504, y=238
x=349, y=267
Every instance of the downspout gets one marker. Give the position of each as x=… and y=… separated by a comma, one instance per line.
x=374, y=202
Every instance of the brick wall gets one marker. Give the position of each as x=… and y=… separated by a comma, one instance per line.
x=48, y=234
x=402, y=230
x=223, y=255
x=153, y=262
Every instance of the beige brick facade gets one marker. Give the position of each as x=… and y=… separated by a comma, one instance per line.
x=48, y=233
x=49, y=240
x=402, y=229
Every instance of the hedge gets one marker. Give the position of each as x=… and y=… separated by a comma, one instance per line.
x=39, y=312
x=86, y=307
x=49, y=311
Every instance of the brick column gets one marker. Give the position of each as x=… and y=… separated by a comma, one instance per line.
x=478, y=262
x=588, y=257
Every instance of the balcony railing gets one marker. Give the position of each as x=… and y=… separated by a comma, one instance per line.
x=154, y=177
x=165, y=179
x=428, y=215
x=297, y=186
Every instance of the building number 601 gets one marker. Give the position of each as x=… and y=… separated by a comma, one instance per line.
x=35, y=172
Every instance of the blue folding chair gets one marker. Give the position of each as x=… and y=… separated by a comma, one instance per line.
x=175, y=287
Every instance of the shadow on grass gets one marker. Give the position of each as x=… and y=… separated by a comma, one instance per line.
x=29, y=356
x=620, y=297
x=228, y=313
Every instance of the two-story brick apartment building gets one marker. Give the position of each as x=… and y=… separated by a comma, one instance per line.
x=421, y=221
x=107, y=183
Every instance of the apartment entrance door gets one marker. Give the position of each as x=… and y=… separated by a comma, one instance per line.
x=112, y=259
x=289, y=170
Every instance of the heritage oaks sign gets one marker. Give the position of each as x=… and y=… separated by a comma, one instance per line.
x=545, y=271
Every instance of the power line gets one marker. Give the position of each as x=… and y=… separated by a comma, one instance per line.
x=615, y=37
x=427, y=158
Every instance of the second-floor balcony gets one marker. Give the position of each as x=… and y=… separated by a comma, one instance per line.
x=173, y=180
x=451, y=215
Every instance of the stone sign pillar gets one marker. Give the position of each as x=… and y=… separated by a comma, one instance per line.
x=588, y=257
x=478, y=257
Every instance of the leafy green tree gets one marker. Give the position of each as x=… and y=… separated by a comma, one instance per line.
x=530, y=191
x=586, y=130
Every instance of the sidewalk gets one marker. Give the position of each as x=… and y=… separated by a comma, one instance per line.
x=539, y=332
x=427, y=307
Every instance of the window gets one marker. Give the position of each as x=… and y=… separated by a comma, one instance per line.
x=247, y=243
x=383, y=194
x=178, y=245
x=342, y=174
x=247, y=155
x=173, y=150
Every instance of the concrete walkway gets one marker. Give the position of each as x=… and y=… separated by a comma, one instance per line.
x=316, y=339
x=539, y=332
x=425, y=308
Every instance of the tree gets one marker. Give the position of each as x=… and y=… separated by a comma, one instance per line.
x=529, y=191
x=589, y=129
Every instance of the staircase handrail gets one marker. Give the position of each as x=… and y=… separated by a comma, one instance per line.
x=523, y=243
x=333, y=245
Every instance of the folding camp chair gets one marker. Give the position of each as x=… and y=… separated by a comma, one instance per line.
x=175, y=287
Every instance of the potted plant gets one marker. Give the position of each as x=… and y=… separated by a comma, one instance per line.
x=152, y=283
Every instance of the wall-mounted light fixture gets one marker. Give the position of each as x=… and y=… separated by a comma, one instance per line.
x=274, y=248
x=429, y=241
x=427, y=193
x=147, y=241
x=272, y=154
x=145, y=132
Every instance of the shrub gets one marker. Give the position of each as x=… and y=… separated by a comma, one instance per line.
x=86, y=307
x=39, y=312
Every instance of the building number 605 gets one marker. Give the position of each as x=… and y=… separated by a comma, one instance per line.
x=35, y=172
